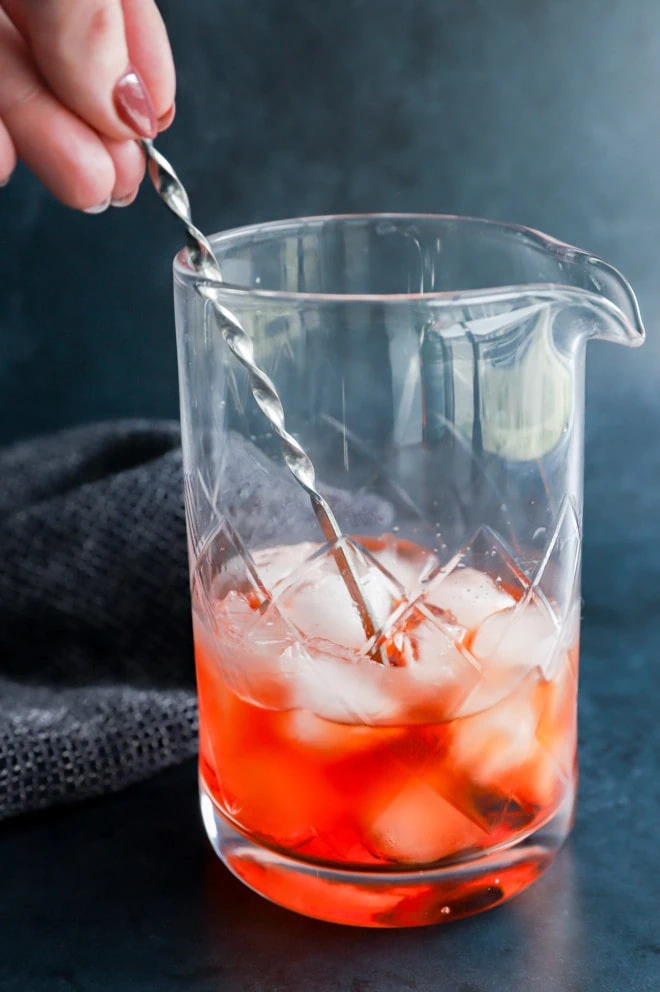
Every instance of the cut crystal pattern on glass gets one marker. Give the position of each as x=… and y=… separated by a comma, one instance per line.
x=557, y=574
x=226, y=570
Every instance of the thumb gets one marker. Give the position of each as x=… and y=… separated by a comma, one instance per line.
x=80, y=48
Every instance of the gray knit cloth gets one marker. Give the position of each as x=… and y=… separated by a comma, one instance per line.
x=96, y=663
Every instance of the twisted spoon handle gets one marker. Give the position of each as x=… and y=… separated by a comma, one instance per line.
x=171, y=190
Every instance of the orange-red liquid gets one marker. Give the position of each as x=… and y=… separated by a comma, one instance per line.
x=404, y=794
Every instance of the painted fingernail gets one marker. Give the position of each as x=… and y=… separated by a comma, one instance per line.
x=134, y=106
x=99, y=208
x=124, y=201
x=166, y=119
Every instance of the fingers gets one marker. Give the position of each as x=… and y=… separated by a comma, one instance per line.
x=151, y=54
x=166, y=119
x=62, y=151
x=77, y=79
x=7, y=155
x=81, y=50
x=128, y=160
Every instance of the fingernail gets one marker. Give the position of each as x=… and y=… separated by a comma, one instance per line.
x=134, y=106
x=99, y=208
x=166, y=119
x=124, y=201
x=5, y=181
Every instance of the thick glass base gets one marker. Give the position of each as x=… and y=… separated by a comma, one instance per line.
x=388, y=898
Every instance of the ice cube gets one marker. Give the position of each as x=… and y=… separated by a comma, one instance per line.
x=335, y=741
x=408, y=563
x=275, y=564
x=440, y=678
x=428, y=689
x=265, y=659
x=435, y=651
x=468, y=595
x=257, y=652
x=348, y=693
x=305, y=649
x=320, y=605
x=496, y=741
x=515, y=748
x=419, y=827
x=522, y=638
x=508, y=645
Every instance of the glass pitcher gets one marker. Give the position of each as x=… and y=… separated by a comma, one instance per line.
x=433, y=369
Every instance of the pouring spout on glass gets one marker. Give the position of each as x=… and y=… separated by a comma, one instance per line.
x=608, y=307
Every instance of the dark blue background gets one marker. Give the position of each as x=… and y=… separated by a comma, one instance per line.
x=547, y=114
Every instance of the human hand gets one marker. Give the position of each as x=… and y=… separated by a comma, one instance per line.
x=80, y=81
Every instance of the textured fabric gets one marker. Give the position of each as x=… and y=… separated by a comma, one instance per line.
x=96, y=664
